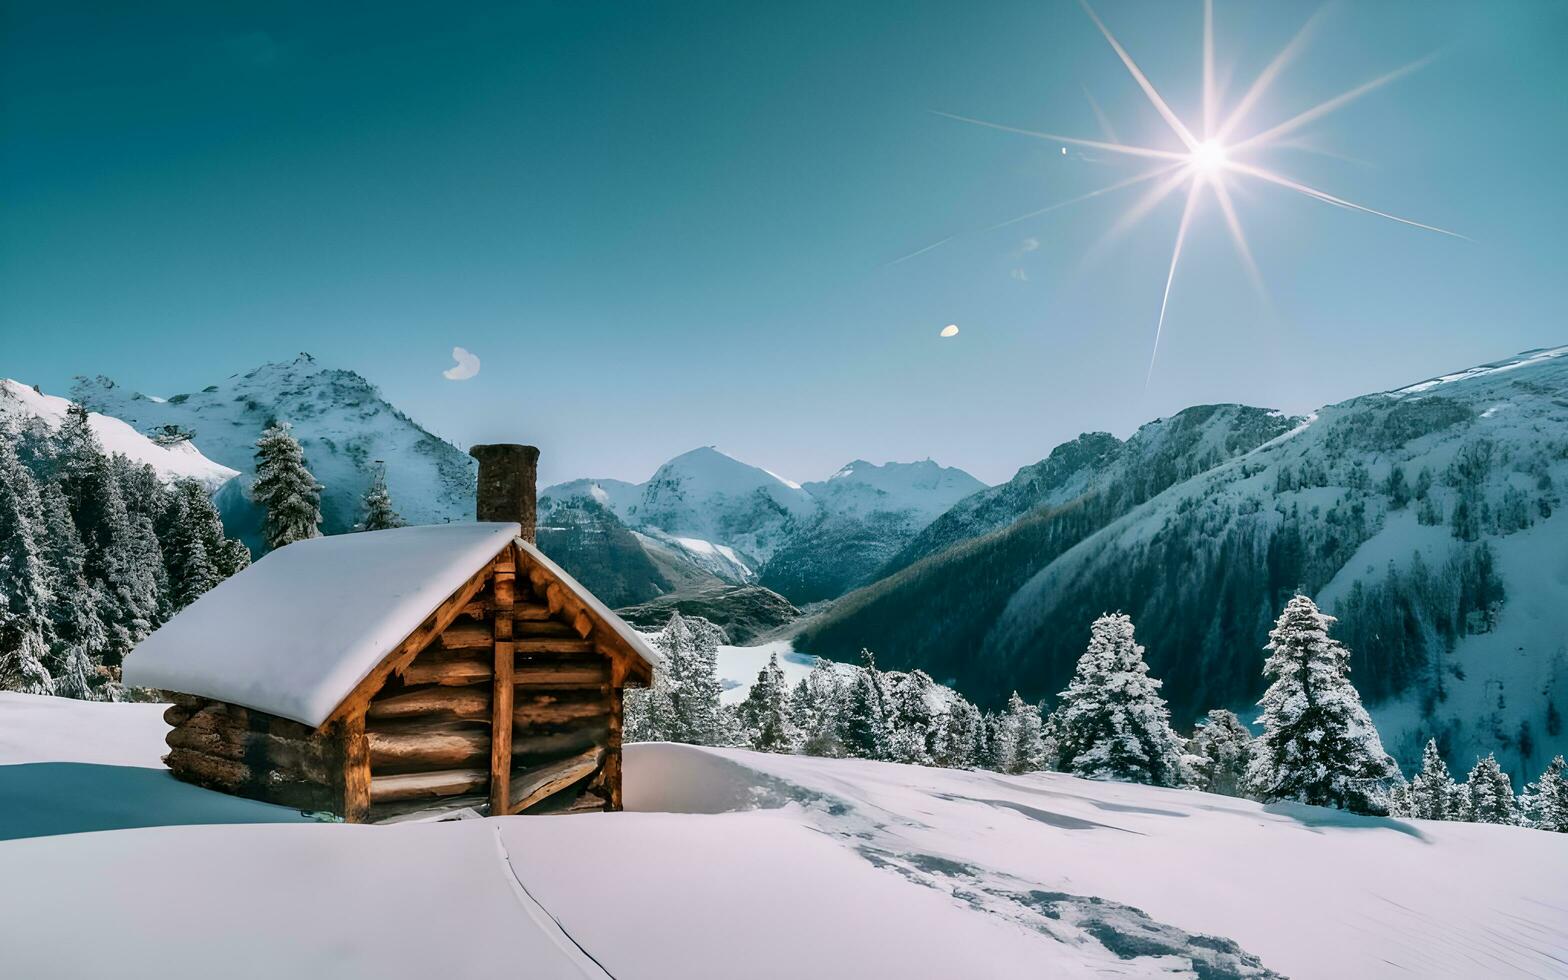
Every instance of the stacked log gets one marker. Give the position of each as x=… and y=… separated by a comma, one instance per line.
x=252, y=754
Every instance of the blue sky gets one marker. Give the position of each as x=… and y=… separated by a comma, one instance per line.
x=663, y=225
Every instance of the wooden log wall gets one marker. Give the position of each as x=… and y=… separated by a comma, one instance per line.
x=438, y=735
x=253, y=754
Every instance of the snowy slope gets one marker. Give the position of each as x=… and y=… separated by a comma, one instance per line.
x=731, y=863
x=1437, y=651
x=21, y=405
x=342, y=422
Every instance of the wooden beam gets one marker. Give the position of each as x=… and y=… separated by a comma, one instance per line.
x=434, y=703
x=562, y=675
x=530, y=612
x=427, y=785
x=550, y=644
x=428, y=750
x=540, y=784
x=468, y=636
x=450, y=673
x=501, y=690
x=356, y=769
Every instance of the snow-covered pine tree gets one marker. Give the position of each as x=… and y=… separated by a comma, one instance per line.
x=26, y=632
x=1221, y=749
x=1111, y=721
x=191, y=571
x=379, y=513
x=687, y=708
x=227, y=555
x=1019, y=745
x=1432, y=790
x=815, y=707
x=960, y=742
x=764, y=715
x=1319, y=745
x=863, y=722
x=285, y=488
x=1548, y=799
x=123, y=561
x=911, y=719
x=79, y=636
x=1491, y=793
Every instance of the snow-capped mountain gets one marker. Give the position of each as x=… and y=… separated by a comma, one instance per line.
x=708, y=496
x=740, y=523
x=340, y=419
x=173, y=455
x=1428, y=519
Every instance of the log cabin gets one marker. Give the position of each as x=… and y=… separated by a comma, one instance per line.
x=380, y=674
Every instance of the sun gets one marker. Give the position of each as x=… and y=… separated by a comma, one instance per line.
x=1211, y=157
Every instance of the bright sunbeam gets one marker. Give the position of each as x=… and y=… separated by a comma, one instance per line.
x=1210, y=157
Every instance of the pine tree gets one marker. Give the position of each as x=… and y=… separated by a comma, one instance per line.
x=1491, y=793
x=285, y=488
x=1548, y=799
x=227, y=555
x=1020, y=742
x=764, y=715
x=685, y=708
x=1221, y=749
x=911, y=720
x=123, y=561
x=960, y=740
x=1111, y=720
x=863, y=728
x=26, y=632
x=1319, y=745
x=1433, y=790
x=79, y=635
x=815, y=707
x=191, y=571
x=379, y=513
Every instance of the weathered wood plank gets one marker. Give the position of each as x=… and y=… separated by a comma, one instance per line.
x=501, y=691
x=534, y=629
x=527, y=745
x=434, y=703
x=356, y=768
x=540, y=712
x=553, y=645
x=427, y=785
x=540, y=784
x=450, y=673
x=587, y=675
x=426, y=750
x=467, y=636
x=530, y=612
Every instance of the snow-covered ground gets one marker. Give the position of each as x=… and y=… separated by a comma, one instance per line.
x=733, y=864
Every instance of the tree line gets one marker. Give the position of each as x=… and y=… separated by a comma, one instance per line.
x=96, y=551
x=1318, y=744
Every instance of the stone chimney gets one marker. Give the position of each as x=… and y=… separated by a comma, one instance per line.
x=508, y=491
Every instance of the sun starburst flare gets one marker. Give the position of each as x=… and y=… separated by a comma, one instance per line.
x=1211, y=155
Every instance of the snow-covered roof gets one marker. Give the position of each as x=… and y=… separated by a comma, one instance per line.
x=600, y=611
x=294, y=633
